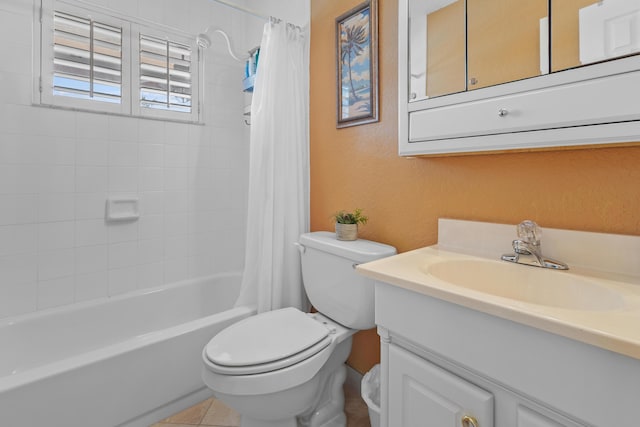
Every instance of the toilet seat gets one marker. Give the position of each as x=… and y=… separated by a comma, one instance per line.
x=267, y=342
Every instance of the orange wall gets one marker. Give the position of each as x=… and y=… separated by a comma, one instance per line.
x=589, y=189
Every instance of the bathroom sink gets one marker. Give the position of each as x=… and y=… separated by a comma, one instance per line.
x=527, y=284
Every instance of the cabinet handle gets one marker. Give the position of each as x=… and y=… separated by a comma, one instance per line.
x=468, y=421
x=502, y=112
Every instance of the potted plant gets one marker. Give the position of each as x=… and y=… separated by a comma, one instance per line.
x=347, y=224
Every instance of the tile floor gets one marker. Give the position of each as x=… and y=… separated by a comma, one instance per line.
x=213, y=413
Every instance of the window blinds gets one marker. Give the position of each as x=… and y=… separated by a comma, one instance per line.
x=87, y=59
x=165, y=74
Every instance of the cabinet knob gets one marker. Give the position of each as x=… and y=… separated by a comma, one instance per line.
x=502, y=112
x=468, y=421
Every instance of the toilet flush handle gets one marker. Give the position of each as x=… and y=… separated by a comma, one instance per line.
x=302, y=248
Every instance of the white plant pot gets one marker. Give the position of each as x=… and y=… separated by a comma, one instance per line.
x=346, y=231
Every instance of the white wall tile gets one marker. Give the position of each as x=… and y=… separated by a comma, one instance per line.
x=151, y=131
x=18, y=239
x=56, y=207
x=20, y=57
x=18, y=209
x=150, y=275
x=90, y=232
x=56, y=235
x=56, y=264
x=16, y=87
x=56, y=150
x=176, y=155
x=18, y=269
x=123, y=255
x=176, y=269
x=176, y=133
x=175, y=178
x=176, y=201
x=202, y=265
x=92, y=153
x=91, y=286
x=53, y=293
x=53, y=122
x=123, y=154
x=57, y=167
x=91, y=179
x=17, y=148
x=151, y=155
x=122, y=231
x=91, y=126
x=176, y=224
x=152, y=202
x=150, y=251
x=17, y=24
x=151, y=179
x=20, y=179
x=176, y=247
x=123, y=129
x=17, y=298
x=123, y=280
x=91, y=259
x=151, y=226
x=123, y=179
x=90, y=205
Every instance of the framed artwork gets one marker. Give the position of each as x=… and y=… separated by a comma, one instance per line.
x=357, y=65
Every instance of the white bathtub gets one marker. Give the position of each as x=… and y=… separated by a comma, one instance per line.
x=128, y=360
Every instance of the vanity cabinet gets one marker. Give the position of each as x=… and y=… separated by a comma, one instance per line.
x=442, y=362
x=496, y=75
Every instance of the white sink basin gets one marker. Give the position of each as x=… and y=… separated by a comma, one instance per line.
x=528, y=284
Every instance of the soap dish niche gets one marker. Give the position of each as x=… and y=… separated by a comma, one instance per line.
x=120, y=209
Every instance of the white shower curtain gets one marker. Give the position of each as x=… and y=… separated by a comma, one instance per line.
x=278, y=177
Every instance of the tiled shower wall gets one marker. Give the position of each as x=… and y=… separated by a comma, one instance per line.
x=58, y=167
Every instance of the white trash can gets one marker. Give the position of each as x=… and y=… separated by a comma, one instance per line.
x=371, y=394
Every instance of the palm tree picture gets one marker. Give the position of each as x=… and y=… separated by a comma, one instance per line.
x=355, y=61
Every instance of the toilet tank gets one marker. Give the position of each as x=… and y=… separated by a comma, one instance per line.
x=330, y=279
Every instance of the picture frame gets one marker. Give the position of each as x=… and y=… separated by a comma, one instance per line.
x=357, y=65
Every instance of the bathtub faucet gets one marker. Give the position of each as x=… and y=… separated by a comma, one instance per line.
x=527, y=249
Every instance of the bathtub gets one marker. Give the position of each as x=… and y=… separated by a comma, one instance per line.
x=129, y=360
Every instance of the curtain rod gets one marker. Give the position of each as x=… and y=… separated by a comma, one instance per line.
x=242, y=9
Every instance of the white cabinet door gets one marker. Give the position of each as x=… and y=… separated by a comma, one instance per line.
x=422, y=394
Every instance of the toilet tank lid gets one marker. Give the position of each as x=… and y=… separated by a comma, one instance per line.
x=360, y=250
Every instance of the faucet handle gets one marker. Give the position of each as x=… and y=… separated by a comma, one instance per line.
x=530, y=232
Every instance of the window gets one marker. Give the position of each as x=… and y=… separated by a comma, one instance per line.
x=165, y=74
x=87, y=59
x=95, y=60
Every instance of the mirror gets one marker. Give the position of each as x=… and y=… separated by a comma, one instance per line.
x=589, y=31
x=458, y=45
x=506, y=41
x=437, y=48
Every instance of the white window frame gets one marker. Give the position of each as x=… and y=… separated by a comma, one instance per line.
x=130, y=91
x=45, y=84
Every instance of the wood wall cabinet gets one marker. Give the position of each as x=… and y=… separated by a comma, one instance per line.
x=511, y=76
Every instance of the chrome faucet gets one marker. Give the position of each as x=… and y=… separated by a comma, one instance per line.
x=528, y=249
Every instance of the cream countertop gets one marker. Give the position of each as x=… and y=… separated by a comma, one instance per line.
x=615, y=328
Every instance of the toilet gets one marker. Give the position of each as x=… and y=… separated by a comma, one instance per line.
x=285, y=368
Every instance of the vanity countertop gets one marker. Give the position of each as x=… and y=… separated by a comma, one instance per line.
x=615, y=327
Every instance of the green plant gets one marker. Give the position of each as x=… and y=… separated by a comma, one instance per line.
x=355, y=217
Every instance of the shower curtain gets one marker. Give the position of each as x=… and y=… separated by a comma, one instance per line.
x=278, y=177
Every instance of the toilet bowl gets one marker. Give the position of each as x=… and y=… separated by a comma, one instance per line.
x=285, y=368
